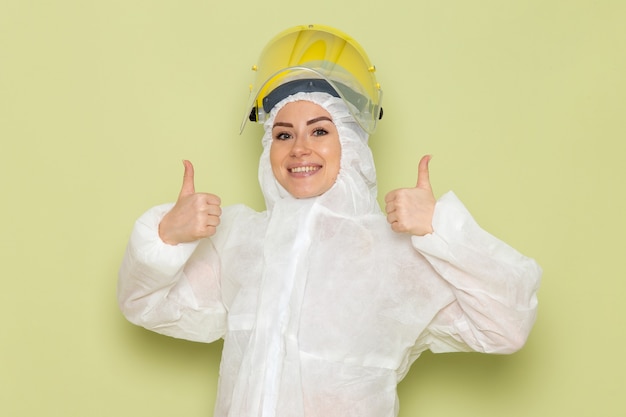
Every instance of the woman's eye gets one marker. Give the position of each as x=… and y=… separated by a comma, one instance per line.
x=283, y=136
x=320, y=132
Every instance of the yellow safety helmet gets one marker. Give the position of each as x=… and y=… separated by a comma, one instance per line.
x=315, y=58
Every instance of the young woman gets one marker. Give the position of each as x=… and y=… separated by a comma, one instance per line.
x=323, y=301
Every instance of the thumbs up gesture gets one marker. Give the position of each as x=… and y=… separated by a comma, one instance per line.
x=194, y=216
x=410, y=210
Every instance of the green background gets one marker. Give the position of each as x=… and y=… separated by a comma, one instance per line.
x=522, y=104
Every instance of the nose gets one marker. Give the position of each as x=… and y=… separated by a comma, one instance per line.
x=299, y=147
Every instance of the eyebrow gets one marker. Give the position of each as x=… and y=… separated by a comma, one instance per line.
x=318, y=119
x=308, y=123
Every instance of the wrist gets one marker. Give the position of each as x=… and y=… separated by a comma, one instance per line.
x=166, y=237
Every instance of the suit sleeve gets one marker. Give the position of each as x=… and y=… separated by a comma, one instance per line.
x=172, y=290
x=494, y=286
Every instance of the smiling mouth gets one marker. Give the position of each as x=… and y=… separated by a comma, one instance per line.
x=304, y=169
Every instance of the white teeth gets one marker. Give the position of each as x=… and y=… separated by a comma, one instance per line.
x=304, y=169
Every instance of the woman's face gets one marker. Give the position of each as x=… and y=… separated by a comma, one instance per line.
x=305, y=153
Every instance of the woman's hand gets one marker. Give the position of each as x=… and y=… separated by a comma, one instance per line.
x=194, y=216
x=410, y=210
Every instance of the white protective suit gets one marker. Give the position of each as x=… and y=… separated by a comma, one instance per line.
x=322, y=307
